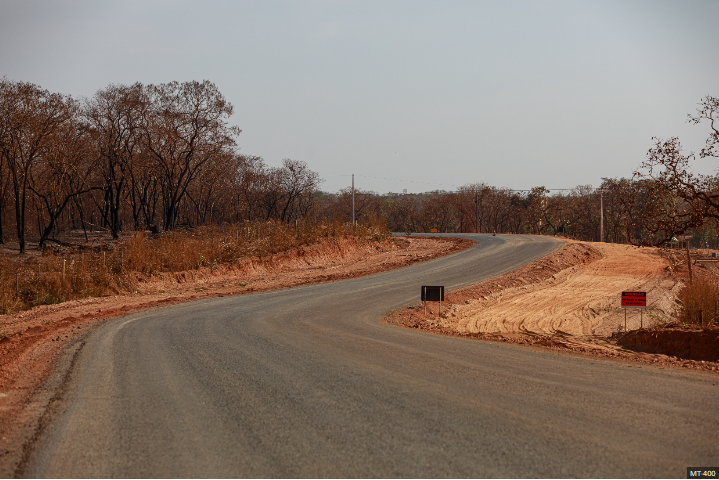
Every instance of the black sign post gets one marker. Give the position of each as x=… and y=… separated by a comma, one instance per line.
x=432, y=294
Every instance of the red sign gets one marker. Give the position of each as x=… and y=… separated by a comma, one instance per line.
x=634, y=299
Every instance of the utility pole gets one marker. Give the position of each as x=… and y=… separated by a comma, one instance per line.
x=353, y=200
x=601, y=215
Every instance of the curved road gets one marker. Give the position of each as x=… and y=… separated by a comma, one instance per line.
x=304, y=382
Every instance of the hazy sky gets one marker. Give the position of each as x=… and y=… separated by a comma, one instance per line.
x=435, y=94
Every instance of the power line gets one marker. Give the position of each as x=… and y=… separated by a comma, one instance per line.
x=547, y=189
x=452, y=185
x=398, y=180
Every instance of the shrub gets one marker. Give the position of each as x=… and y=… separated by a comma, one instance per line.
x=700, y=295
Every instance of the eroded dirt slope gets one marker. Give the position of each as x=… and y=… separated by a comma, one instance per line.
x=582, y=300
x=571, y=300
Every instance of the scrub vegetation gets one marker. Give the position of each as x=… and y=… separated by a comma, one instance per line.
x=700, y=300
x=114, y=268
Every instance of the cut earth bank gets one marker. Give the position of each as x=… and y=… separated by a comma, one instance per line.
x=570, y=301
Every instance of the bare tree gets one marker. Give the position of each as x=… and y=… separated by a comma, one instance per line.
x=31, y=117
x=213, y=186
x=248, y=184
x=297, y=183
x=5, y=135
x=114, y=116
x=185, y=127
x=708, y=110
x=399, y=211
x=4, y=185
x=676, y=198
x=366, y=204
x=64, y=173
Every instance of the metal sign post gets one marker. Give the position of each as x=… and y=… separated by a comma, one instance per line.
x=432, y=294
x=634, y=300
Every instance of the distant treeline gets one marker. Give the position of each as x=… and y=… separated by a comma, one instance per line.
x=629, y=210
x=159, y=157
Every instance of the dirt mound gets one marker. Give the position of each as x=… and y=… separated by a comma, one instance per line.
x=692, y=342
x=581, y=300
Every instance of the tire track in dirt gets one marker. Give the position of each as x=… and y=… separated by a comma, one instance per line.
x=582, y=300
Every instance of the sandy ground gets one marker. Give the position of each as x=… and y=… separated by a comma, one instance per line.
x=579, y=301
x=569, y=300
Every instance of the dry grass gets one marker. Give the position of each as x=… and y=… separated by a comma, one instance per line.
x=700, y=299
x=115, y=268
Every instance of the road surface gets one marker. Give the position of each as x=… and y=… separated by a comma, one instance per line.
x=304, y=382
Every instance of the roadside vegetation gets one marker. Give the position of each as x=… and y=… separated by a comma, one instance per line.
x=700, y=300
x=116, y=267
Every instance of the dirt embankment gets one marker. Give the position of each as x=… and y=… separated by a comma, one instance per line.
x=32, y=341
x=328, y=261
x=688, y=342
x=571, y=300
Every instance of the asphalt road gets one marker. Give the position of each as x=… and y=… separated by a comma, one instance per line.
x=304, y=382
